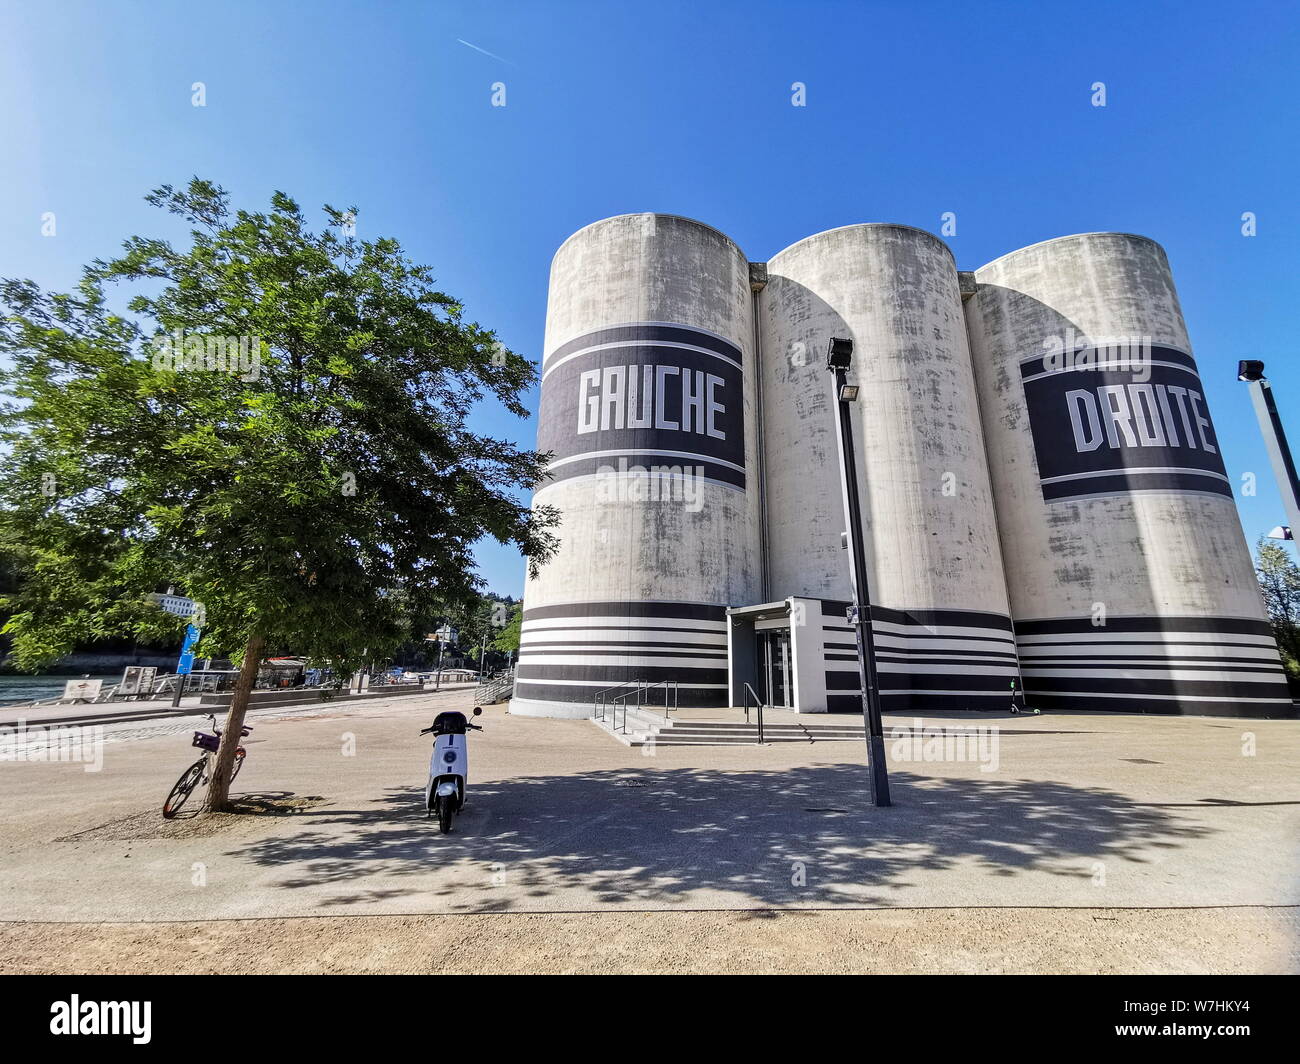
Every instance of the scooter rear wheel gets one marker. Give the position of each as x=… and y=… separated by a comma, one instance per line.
x=446, y=807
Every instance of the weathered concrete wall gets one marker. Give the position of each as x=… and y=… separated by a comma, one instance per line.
x=942, y=622
x=1098, y=482
x=1131, y=582
x=648, y=364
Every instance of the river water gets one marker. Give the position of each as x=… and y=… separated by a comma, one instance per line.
x=19, y=688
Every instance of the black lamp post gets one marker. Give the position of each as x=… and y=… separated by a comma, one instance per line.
x=1279, y=453
x=838, y=359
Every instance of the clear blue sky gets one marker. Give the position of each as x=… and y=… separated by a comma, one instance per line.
x=913, y=109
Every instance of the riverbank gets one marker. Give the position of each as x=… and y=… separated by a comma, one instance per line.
x=20, y=688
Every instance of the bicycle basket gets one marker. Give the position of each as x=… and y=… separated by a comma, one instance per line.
x=204, y=741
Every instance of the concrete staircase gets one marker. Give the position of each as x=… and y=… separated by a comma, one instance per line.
x=649, y=728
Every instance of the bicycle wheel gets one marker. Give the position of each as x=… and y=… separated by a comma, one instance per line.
x=183, y=789
x=239, y=763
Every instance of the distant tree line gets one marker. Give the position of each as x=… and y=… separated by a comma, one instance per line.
x=1279, y=583
x=489, y=617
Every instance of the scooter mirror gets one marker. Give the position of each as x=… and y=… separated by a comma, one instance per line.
x=478, y=711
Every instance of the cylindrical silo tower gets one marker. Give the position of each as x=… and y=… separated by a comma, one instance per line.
x=940, y=613
x=647, y=403
x=1131, y=582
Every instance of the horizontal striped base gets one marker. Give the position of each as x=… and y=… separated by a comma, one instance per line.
x=685, y=695
x=920, y=702
x=926, y=659
x=1212, y=666
x=535, y=707
x=574, y=652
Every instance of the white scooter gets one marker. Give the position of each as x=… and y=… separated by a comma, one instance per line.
x=448, y=768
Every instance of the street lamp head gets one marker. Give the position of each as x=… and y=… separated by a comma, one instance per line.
x=840, y=354
x=848, y=393
x=1250, y=370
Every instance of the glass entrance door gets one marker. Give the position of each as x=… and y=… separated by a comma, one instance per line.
x=774, y=654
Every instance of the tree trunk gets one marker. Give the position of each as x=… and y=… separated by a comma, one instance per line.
x=219, y=786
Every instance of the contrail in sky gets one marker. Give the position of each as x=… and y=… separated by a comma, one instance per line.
x=484, y=51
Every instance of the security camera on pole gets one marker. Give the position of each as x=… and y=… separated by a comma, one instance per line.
x=839, y=358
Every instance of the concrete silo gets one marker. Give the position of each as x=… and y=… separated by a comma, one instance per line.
x=647, y=402
x=1132, y=584
x=941, y=617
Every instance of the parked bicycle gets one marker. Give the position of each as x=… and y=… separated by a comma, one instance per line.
x=201, y=770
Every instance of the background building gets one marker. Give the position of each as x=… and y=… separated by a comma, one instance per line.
x=1042, y=494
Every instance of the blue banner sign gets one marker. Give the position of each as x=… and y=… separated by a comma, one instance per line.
x=186, y=663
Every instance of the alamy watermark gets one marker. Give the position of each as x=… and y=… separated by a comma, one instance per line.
x=979, y=744
x=38, y=744
x=182, y=352
x=629, y=482
x=77, y=1017
x=1116, y=354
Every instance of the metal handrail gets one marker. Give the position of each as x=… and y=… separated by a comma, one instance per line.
x=599, y=700
x=759, y=702
x=494, y=687
x=644, y=688
x=638, y=691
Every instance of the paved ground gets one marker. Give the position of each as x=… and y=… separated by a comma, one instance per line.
x=944, y=941
x=1103, y=815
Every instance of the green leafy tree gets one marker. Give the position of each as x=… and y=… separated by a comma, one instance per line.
x=318, y=496
x=508, y=638
x=480, y=621
x=1279, y=582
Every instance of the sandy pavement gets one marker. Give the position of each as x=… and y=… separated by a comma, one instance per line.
x=1089, y=843
x=1025, y=941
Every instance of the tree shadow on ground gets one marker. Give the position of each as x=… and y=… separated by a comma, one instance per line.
x=652, y=837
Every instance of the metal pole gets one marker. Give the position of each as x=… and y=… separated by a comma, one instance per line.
x=1279, y=453
x=875, y=731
